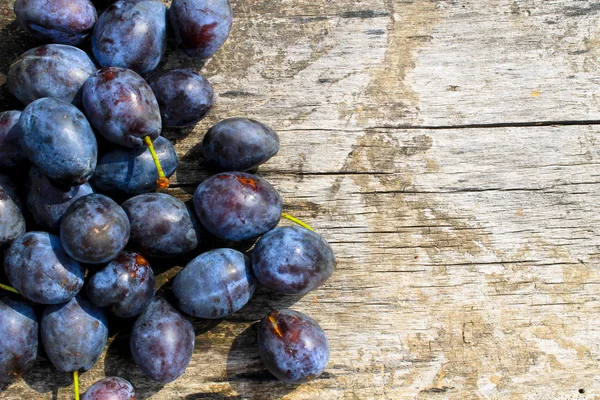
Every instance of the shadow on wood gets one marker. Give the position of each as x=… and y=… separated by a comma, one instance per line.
x=191, y=171
x=174, y=58
x=14, y=42
x=262, y=303
x=44, y=378
x=175, y=134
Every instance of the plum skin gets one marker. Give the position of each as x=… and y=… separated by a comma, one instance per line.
x=131, y=34
x=183, y=96
x=215, y=284
x=52, y=70
x=94, y=229
x=13, y=222
x=239, y=144
x=11, y=152
x=292, y=260
x=38, y=266
x=60, y=21
x=237, y=206
x=110, y=388
x=58, y=139
x=74, y=334
x=19, y=332
x=126, y=284
x=127, y=171
x=292, y=346
x=162, y=341
x=201, y=27
x=121, y=106
x=48, y=201
x=161, y=225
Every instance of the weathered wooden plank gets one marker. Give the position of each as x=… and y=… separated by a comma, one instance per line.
x=418, y=63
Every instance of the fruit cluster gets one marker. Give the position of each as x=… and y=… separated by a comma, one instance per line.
x=90, y=137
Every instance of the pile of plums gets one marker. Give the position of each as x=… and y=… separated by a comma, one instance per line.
x=77, y=232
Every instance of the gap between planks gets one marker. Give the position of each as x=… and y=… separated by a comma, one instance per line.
x=493, y=125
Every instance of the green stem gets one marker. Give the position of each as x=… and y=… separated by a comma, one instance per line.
x=76, y=384
x=296, y=220
x=8, y=288
x=162, y=182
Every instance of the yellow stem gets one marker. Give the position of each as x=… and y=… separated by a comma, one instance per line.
x=296, y=220
x=76, y=384
x=162, y=182
x=9, y=288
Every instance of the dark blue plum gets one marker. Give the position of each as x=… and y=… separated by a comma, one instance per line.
x=237, y=206
x=9, y=184
x=94, y=229
x=48, y=201
x=292, y=260
x=59, y=140
x=201, y=26
x=183, y=96
x=128, y=171
x=131, y=34
x=111, y=388
x=162, y=341
x=292, y=346
x=121, y=106
x=74, y=334
x=126, y=284
x=12, y=221
x=53, y=70
x=19, y=333
x=239, y=144
x=11, y=152
x=58, y=21
x=161, y=225
x=215, y=284
x=37, y=265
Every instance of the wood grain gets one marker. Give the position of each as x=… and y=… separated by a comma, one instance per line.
x=449, y=151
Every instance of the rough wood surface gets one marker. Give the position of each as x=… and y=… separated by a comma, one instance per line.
x=449, y=151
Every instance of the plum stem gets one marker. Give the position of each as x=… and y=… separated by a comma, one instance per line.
x=296, y=220
x=8, y=288
x=76, y=384
x=162, y=182
x=275, y=326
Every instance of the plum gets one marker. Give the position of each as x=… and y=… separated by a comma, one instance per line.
x=292, y=346
x=237, y=206
x=58, y=139
x=162, y=341
x=183, y=96
x=37, y=265
x=131, y=34
x=201, y=26
x=94, y=229
x=292, y=260
x=53, y=70
x=58, y=21
x=121, y=106
x=239, y=144
x=215, y=284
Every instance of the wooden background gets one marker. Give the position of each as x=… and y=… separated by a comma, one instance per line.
x=449, y=150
